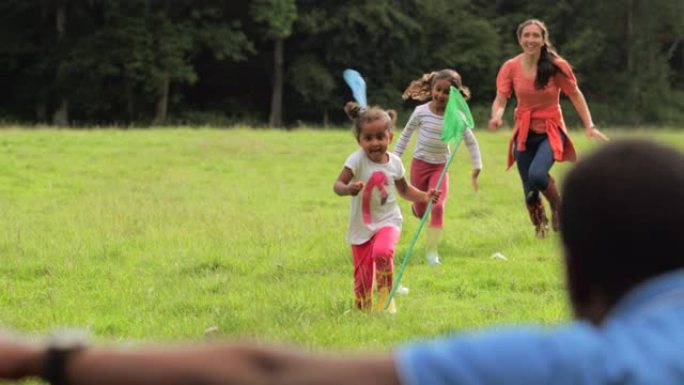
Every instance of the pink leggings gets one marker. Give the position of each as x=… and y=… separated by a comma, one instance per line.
x=373, y=258
x=424, y=176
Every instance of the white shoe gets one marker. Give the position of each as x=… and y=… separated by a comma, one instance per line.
x=402, y=290
x=433, y=258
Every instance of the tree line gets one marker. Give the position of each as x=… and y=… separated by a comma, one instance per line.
x=279, y=62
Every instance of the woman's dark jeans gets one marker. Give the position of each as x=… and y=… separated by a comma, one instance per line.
x=534, y=164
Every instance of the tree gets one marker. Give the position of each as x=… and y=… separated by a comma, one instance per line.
x=171, y=37
x=141, y=61
x=277, y=16
x=35, y=42
x=464, y=41
x=60, y=117
x=376, y=38
x=621, y=48
x=308, y=77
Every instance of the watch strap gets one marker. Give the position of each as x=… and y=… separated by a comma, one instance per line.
x=56, y=361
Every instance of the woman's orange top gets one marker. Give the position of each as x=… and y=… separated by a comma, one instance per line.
x=538, y=110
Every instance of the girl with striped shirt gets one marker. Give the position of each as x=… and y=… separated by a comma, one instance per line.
x=430, y=153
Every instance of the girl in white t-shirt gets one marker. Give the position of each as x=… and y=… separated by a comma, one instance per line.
x=373, y=177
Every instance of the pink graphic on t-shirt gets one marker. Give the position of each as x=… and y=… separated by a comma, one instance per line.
x=379, y=180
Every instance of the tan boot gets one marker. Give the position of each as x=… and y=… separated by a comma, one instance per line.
x=363, y=304
x=538, y=218
x=383, y=294
x=552, y=195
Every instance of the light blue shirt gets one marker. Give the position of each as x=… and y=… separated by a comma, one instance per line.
x=641, y=342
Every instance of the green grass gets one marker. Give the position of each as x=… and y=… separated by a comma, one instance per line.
x=160, y=234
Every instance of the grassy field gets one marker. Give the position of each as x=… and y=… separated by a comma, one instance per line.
x=161, y=234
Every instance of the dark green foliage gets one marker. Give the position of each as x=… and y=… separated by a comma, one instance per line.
x=144, y=61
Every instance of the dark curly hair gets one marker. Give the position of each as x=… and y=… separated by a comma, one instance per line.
x=421, y=89
x=360, y=115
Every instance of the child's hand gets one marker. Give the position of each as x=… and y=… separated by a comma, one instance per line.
x=432, y=195
x=355, y=187
x=473, y=179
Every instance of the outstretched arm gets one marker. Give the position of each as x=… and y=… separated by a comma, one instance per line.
x=580, y=104
x=412, y=194
x=200, y=364
x=498, y=109
x=475, y=157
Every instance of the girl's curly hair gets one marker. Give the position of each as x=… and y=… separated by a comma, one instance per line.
x=421, y=89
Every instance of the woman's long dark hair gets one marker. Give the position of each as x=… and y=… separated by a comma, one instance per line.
x=546, y=66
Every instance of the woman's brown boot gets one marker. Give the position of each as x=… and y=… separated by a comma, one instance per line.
x=538, y=218
x=552, y=195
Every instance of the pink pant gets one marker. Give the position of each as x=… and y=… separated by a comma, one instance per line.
x=373, y=258
x=424, y=176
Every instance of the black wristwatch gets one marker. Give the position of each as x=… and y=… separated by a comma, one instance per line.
x=61, y=347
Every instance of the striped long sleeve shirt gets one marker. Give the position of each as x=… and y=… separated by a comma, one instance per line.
x=429, y=145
